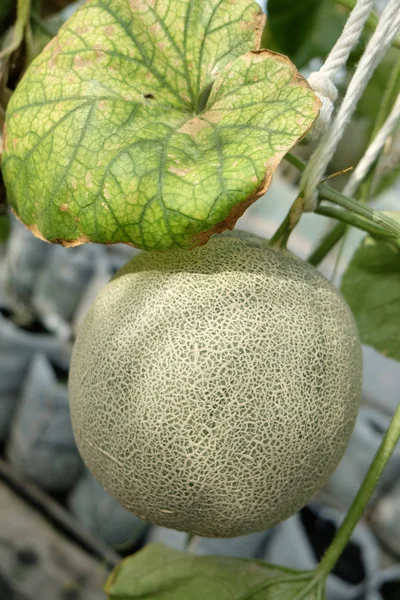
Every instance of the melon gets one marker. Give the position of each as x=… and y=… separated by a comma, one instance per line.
x=214, y=391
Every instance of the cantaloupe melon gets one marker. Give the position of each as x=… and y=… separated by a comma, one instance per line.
x=214, y=391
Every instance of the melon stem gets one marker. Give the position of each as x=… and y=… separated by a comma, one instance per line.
x=191, y=542
x=280, y=238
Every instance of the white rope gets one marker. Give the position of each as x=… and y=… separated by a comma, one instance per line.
x=322, y=81
x=373, y=150
x=387, y=28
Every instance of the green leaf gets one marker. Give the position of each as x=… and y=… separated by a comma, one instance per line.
x=108, y=139
x=371, y=286
x=160, y=573
x=304, y=29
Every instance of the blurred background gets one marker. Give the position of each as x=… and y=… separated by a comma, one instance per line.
x=60, y=532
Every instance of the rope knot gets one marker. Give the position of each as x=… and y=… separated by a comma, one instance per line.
x=323, y=86
x=326, y=91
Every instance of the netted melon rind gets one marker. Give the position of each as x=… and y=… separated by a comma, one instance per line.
x=215, y=391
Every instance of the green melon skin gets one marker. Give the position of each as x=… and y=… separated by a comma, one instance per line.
x=215, y=391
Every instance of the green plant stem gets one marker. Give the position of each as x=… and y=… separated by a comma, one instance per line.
x=191, y=542
x=281, y=236
x=349, y=218
x=328, y=193
x=295, y=161
x=374, y=216
x=328, y=242
x=20, y=27
x=372, y=20
x=189, y=538
x=29, y=55
x=360, y=502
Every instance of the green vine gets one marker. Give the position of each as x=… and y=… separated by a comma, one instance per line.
x=281, y=236
x=348, y=218
x=21, y=29
x=327, y=243
x=355, y=213
x=360, y=502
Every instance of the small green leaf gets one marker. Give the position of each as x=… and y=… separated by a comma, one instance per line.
x=371, y=286
x=107, y=140
x=160, y=573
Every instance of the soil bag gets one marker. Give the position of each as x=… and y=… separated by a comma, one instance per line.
x=41, y=445
x=18, y=344
x=386, y=585
x=26, y=257
x=60, y=286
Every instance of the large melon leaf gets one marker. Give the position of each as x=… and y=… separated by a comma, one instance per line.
x=161, y=573
x=113, y=135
